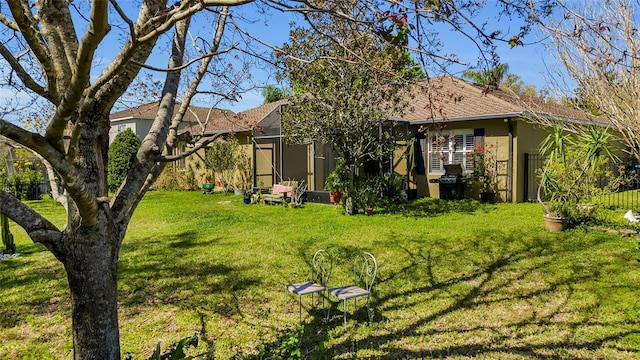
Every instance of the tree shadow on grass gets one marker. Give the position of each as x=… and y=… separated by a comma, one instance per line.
x=431, y=207
x=44, y=282
x=184, y=240
x=172, y=278
x=527, y=297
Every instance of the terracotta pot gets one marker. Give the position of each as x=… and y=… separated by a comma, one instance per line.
x=335, y=197
x=554, y=223
x=368, y=211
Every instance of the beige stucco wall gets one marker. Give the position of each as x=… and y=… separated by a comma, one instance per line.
x=197, y=164
x=527, y=138
x=495, y=133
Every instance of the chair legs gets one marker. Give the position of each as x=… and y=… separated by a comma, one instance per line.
x=327, y=309
x=313, y=302
x=345, y=312
x=355, y=307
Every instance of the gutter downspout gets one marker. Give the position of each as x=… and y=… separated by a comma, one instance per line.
x=509, y=196
x=281, y=140
x=254, y=155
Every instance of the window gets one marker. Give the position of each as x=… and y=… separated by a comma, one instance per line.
x=182, y=164
x=450, y=149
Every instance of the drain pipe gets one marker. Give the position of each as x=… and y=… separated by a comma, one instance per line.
x=509, y=196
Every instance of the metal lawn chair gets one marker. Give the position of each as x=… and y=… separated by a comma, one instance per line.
x=365, y=268
x=321, y=267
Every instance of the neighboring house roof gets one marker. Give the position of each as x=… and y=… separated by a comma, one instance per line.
x=215, y=120
x=255, y=115
x=448, y=98
x=149, y=111
x=222, y=121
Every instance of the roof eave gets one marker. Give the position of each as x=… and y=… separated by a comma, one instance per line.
x=470, y=118
x=132, y=118
x=531, y=115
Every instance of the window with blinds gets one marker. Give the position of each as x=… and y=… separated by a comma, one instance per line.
x=450, y=149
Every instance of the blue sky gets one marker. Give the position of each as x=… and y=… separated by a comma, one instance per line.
x=528, y=62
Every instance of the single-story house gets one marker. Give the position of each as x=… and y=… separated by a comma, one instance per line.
x=449, y=119
x=223, y=127
x=140, y=118
x=198, y=121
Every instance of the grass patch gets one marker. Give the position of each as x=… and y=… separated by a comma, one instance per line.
x=456, y=279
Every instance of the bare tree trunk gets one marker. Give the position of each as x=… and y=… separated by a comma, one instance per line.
x=91, y=266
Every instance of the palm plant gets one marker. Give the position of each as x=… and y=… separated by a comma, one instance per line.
x=572, y=168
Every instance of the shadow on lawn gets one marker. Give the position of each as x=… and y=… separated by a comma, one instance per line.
x=432, y=207
x=525, y=297
x=175, y=279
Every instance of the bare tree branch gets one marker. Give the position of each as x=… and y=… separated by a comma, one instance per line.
x=9, y=23
x=37, y=227
x=28, y=28
x=599, y=47
x=98, y=28
x=129, y=195
x=186, y=65
x=27, y=80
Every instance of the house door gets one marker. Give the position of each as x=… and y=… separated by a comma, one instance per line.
x=265, y=165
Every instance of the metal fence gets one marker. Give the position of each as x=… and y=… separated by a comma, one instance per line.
x=27, y=191
x=626, y=196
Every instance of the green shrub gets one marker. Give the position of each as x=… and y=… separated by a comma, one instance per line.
x=379, y=191
x=23, y=183
x=338, y=180
x=171, y=178
x=122, y=152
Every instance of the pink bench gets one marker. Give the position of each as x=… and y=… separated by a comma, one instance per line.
x=280, y=192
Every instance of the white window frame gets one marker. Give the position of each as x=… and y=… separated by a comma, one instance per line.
x=182, y=162
x=454, y=149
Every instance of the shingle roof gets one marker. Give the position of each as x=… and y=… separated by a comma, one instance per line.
x=216, y=120
x=450, y=98
x=220, y=121
x=242, y=121
x=253, y=116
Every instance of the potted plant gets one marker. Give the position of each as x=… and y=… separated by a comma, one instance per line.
x=337, y=181
x=367, y=193
x=247, y=196
x=568, y=180
x=484, y=173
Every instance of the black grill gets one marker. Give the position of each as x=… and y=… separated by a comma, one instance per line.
x=452, y=183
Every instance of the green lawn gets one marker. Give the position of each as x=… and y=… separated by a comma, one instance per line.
x=459, y=280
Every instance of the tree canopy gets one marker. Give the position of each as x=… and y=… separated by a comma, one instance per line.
x=343, y=102
x=499, y=77
x=273, y=93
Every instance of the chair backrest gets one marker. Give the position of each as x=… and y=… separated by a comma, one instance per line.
x=321, y=267
x=365, y=269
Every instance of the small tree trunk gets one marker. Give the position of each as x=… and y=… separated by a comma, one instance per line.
x=91, y=265
x=7, y=237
